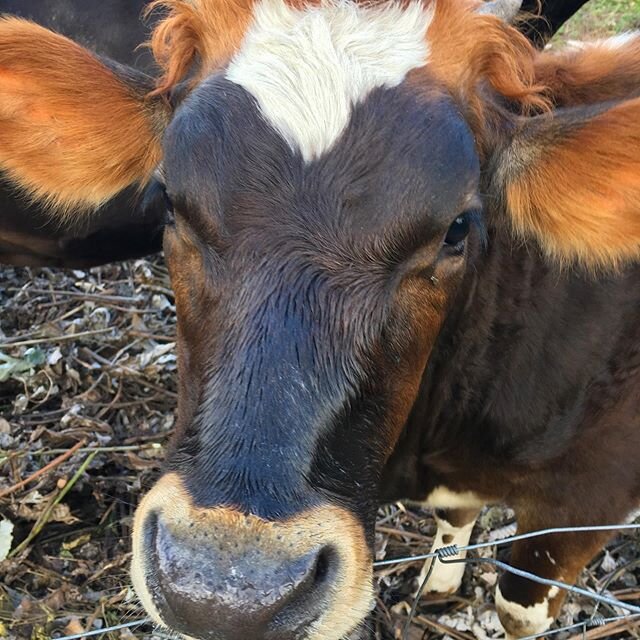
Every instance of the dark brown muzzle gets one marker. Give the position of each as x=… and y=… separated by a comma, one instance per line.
x=217, y=574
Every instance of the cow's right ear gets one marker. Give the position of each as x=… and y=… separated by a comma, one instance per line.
x=74, y=130
x=570, y=179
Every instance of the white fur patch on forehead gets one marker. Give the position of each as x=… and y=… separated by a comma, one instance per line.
x=308, y=67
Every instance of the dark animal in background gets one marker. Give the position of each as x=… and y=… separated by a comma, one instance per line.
x=547, y=16
x=404, y=250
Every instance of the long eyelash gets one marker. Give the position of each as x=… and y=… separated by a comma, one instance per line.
x=476, y=220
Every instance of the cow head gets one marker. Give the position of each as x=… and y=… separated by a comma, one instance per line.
x=330, y=170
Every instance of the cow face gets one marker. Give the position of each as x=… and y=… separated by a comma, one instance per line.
x=309, y=293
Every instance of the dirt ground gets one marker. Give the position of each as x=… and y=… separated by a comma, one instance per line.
x=87, y=395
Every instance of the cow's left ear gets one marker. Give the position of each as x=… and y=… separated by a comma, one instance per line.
x=74, y=129
x=571, y=180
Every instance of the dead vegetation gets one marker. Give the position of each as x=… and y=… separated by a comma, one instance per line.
x=87, y=395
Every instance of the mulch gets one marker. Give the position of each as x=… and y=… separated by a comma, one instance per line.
x=87, y=400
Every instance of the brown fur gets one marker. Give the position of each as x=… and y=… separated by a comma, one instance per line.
x=579, y=194
x=592, y=74
x=71, y=133
x=468, y=49
x=204, y=32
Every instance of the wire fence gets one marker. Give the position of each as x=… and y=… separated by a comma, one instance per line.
x=447, y=554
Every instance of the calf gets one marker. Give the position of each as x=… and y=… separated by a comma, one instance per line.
x=404, y=251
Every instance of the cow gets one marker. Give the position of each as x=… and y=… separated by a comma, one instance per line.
x=127, y=226
x=404, y=248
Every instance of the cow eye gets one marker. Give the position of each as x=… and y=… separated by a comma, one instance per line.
x=458, y=230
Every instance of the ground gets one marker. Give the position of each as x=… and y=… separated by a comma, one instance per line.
x=87, y=371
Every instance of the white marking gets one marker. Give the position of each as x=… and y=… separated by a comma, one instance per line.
x=443, y=498
x=619, y=41
x=308, y=67
x=446, y=578
x=519, y=621
x=632, y=516
x=613, y=43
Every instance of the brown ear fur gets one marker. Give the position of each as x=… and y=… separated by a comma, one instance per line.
x=596, y=72
x=468, y=49
x=576, y=186
x=72, y=133
x=205, y=32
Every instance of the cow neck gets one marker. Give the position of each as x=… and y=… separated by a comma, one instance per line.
x=516, y=371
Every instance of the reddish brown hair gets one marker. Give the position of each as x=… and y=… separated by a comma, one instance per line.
x=200, y=32
x=71, y=132
x=580, y=195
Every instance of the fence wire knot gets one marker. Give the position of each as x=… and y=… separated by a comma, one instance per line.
x=596, y=621
x=450, y=551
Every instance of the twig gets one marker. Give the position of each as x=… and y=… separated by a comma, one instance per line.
x=151, y=336
x=112, y=449
x=44, y=518
x=158, y=289
x=71, y=336
x=82, y=294
x=605, y=630
x=443, y=628
x=48, y=467
x=416, y=600
x=409, y=535
x=99, y=632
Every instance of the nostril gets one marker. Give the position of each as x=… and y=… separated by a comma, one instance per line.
x=310, y=597
x=323, y=565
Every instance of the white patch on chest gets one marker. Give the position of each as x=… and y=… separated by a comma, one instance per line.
x=307, y=68
x=443, y=498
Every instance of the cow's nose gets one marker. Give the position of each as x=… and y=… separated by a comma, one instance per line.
x=217, y=588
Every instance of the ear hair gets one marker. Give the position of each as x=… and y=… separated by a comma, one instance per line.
x=468, y=49
x=571, y=180
x=196, y=36
x=74, y=131
x=592, y=72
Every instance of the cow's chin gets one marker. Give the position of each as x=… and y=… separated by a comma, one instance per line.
x=192, y=568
